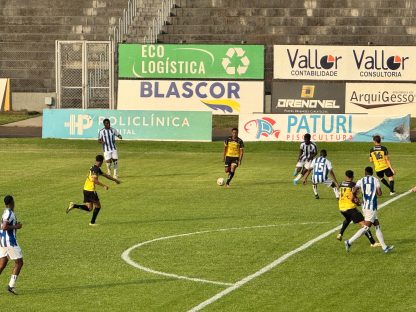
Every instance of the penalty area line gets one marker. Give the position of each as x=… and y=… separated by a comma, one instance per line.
x=278, y=261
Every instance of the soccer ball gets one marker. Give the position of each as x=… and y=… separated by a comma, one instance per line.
x=220, y=181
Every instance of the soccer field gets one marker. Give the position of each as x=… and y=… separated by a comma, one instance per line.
x=210, y=236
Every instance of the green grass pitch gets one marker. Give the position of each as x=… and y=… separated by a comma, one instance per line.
x=169, y=189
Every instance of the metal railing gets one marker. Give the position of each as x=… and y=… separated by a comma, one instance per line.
x=127, y=19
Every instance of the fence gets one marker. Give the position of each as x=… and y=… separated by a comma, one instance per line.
x=84, y=74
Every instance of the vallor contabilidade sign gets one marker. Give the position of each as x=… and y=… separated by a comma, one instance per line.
x=308, y=97
x=191, y=61
x=324, y=127
x=218, y=97
x=132, y=125
x=369, y=63
x=381, y=98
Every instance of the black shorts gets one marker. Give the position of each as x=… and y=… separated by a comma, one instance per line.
x=231, y=160
x=353, y=214
x=386, y=172
x=91, y=197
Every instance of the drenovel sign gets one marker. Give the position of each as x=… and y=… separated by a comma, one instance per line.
x=313, y=97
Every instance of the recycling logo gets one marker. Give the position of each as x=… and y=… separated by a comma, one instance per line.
x=244, y=61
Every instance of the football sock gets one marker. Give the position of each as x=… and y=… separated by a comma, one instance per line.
x=82, y=207
x=344, y=226
x=95, y=214
x=370, y=237
x=392, y=186
x=315, y=189
x=380, y=237
x=230, y=177
x=357, y=235
x=298, y=177
x=115, y=167
x=108, y=166
x=384, y=181
x=13, y=279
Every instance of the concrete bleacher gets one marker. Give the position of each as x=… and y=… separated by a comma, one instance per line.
x=29, y=28
x=269, y=22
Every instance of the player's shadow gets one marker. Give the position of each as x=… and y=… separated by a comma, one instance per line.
x=71, y=288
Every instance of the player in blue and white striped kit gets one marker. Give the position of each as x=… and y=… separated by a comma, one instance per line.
x=321, y=167
x=9, y=248
x=107, y=137
x=370, y=189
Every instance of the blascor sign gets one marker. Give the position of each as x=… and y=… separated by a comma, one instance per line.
x=369, y=63
x=218, y=97
x=191, y=61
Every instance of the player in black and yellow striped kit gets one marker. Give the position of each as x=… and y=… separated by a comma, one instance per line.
x=379, y=156
x=233, y=154
x=91, y=200
x=348, y=207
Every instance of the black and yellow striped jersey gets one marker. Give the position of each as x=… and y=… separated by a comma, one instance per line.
x=95, y=171
x=233, y=146
x=345, y=196
x=379, y=156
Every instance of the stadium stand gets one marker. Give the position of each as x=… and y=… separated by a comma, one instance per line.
x=29, y=28
x=268, y=22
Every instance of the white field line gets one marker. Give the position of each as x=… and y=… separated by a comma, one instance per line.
x=277, y=262
x=125, y=255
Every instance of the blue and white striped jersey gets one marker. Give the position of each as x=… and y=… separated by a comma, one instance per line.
x=307, y=150
x=8, y=238
x=108, y=137
x=368, y=186
x=321, y=167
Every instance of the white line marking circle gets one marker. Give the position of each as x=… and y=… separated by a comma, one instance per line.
x=126, y=254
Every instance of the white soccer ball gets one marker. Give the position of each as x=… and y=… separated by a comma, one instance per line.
x=220, y=181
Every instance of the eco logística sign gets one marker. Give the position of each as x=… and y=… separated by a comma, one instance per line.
x=132, y=125
x=191, y=61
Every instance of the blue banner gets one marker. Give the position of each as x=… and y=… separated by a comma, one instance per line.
x=132, y=124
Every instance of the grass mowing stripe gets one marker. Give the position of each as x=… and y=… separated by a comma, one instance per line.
x=279, y=261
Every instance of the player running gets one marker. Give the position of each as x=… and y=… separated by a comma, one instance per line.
x=9, y=248
x=370, y=188
x=379, y=155
x=91, y=199
x=233, y=154
x=347, y=205
x=321, y=167
x=307, y=152
x=107, y=137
